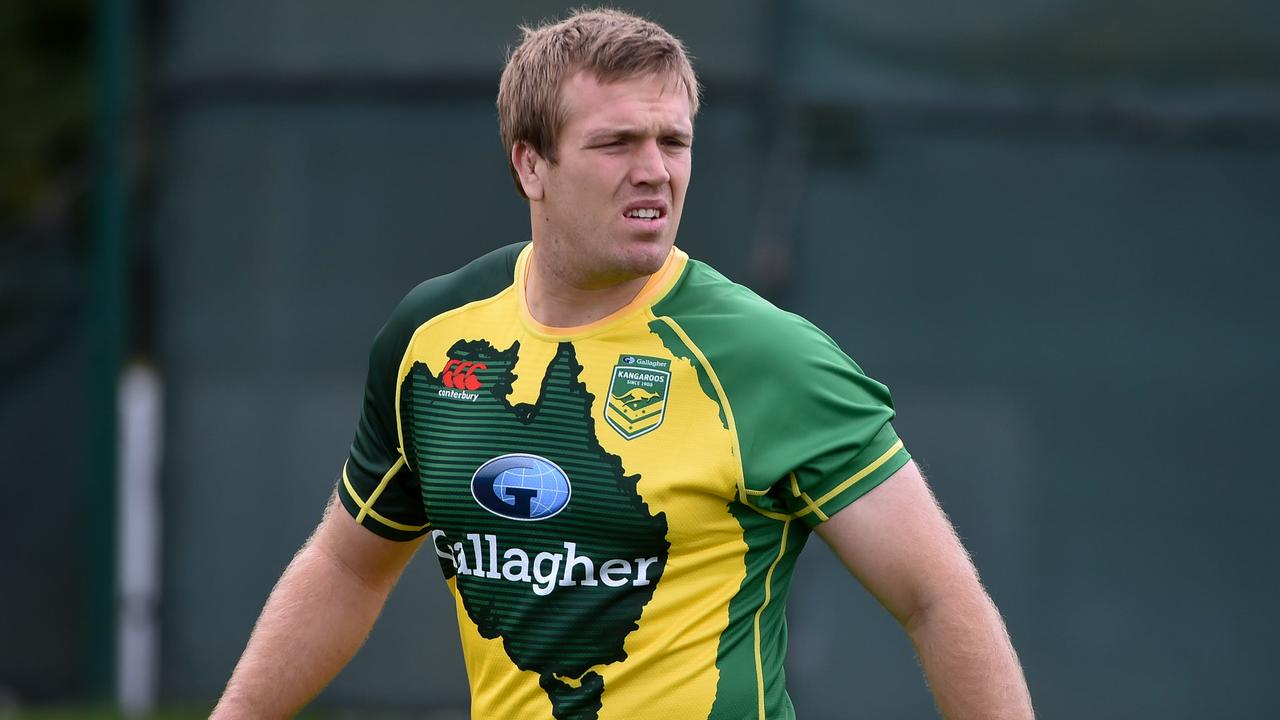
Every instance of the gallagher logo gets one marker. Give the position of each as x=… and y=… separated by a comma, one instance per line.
x=461, y=374
x=521, y=487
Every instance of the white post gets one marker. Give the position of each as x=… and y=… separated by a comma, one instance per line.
x=138, y=532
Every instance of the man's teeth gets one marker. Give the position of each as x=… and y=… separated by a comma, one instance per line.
x=647, y=213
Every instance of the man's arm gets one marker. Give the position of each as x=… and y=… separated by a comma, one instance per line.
x=315, y=619
x=901, y=546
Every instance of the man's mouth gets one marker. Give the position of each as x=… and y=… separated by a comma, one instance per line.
x=643, y=213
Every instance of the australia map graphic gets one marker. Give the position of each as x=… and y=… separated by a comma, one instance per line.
x=565, y=630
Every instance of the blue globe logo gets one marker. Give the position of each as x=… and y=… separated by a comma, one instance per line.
x=521, y=487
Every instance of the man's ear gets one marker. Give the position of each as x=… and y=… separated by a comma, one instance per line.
x=530, y=167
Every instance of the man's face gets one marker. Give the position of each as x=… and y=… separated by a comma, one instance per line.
x=611, y=205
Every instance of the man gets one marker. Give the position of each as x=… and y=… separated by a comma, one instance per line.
x=614, y=453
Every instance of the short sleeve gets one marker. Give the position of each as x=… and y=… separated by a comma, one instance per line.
x=842, y=440
x=377, y=487
x=820, y=435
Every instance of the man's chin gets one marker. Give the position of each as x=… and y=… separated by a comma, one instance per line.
x=646, y=257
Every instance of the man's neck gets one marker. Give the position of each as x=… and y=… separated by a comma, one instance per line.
x=564, y=302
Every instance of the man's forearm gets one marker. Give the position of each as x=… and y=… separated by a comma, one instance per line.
x=969, y=659
x=316, y=618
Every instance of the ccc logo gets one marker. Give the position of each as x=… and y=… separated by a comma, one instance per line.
x=461, y=374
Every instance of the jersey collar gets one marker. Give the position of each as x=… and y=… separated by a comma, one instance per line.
x=658, y=285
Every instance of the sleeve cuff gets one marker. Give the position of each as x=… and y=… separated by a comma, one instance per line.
x=814, y=511
x=362, y=509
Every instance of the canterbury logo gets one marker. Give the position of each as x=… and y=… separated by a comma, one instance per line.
x=461, y=374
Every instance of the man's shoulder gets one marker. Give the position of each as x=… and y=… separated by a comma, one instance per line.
x=725, y=314
x=481, y=278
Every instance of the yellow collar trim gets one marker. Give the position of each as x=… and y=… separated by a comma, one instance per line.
x=658, y=285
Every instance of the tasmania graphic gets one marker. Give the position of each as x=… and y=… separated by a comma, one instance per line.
x=552, y=549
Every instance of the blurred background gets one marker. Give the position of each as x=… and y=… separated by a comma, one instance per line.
x=1050, y=226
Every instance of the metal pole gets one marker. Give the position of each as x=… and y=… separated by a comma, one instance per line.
x=113, y=78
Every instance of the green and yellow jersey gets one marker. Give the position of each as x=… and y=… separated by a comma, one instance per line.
x=617, y=508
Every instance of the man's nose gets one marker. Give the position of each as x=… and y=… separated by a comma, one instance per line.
x=650, y=165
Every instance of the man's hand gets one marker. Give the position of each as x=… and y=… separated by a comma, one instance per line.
x=316, y=618
x=900, y=545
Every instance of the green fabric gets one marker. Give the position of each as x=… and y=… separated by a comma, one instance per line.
x=799, y=403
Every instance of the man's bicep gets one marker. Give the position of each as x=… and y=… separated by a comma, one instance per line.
x=375, y=560
x=899, y=544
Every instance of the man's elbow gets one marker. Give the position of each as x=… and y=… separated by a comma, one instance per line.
x=960, y=598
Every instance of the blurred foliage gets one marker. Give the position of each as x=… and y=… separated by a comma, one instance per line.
x=79, y=712
x=103, y=712
x=45, y=92
x=95, y=713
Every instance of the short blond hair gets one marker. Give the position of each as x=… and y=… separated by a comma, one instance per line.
x=611, y=44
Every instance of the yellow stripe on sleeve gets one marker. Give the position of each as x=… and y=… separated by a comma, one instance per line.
x=875, y=465
x=810, y=505
x=366, y=507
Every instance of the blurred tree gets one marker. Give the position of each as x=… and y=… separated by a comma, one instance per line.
x=44, y=88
